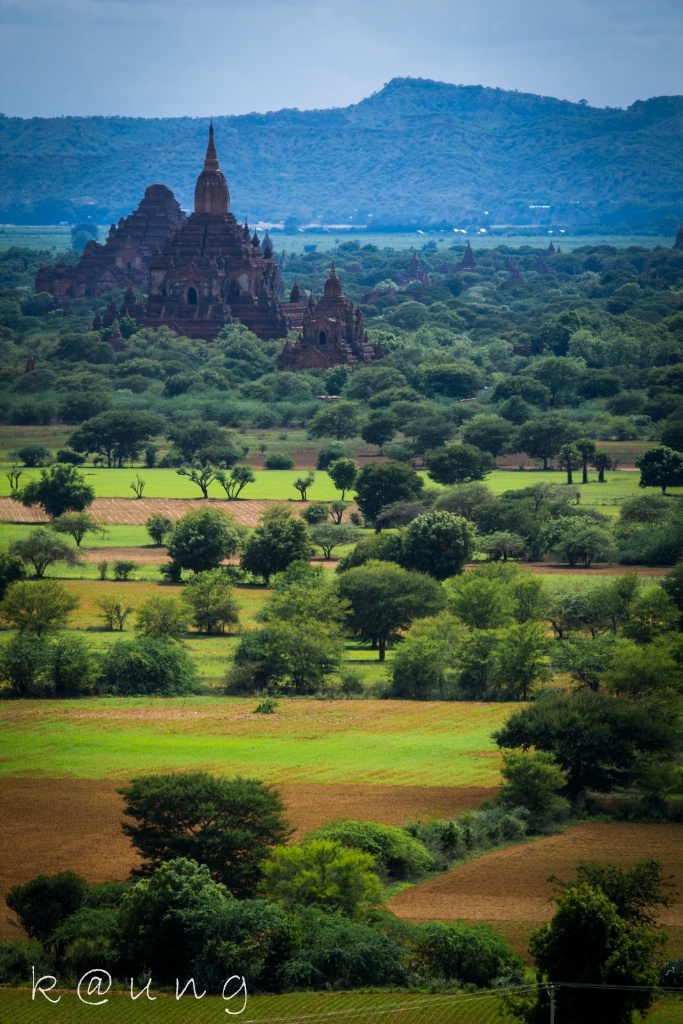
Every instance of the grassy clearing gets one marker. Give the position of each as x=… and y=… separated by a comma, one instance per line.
x=307, y=740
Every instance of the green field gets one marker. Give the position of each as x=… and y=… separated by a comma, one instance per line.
x=306, y=740
x=17, y=1007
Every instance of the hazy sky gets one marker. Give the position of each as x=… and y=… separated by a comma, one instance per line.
x=158, y=58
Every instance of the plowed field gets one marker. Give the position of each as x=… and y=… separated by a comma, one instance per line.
x=50, y=825
x=512, y=884
x=136, y=512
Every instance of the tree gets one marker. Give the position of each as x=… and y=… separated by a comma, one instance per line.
x=147, y=667
x=114, y=613
x=71, y=668
x=599, y=742
x=76, y=525
x=337, y=419
x=588, y=942
x=315, y=513
x=602, y=461
x=543, y=437
x=138, y=486
x=502, y=544
x=202, y=539
x=11, y=570
x=660, y=467
x=194, y=437
x=479, y=600
x=116, y=435
x=162, y=618
x=330, y=535
x=330, y=452
x=588, y=453
x=425, y=663
x=325, y=874
x=468, y=954
x=302, y=484
x=383, y=483
x=37, y=607
x=533, y=779
x=32, y=455
x=211, y=600
x=343, y=473
x=230, y=825
x=157, y=527
x=379, y=429
x=488, y=433
x=203, y=475
x=569, y=458
x=275, y=543
x=577, y=540
x=61, y=489
x=438, y=543
x=457, y=379
x=24, y=661
x=44, y=902
x=586, y=658
x=637, y=893
x=521, y=659
x=465, y=499
x=301, y=650
x=558, y=373
x=41, y=549
x=383, y=599
x=458, y=463
x=234, y=483
x=427, y=429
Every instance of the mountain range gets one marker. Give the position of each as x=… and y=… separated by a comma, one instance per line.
x=416, y=153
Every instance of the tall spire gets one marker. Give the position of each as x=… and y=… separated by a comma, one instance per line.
x=211, y=158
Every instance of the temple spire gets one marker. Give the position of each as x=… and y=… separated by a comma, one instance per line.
x=211, y=158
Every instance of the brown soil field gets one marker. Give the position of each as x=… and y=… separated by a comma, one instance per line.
x=51, y=825
x=136, y=511
x=512, y=884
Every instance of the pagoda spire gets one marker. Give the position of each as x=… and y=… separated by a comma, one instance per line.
x=211, y=158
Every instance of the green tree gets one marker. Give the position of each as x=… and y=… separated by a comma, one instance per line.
x=577, y=540
x=380, y=428
x=61, y=489
x=425, y=663
x=211, y=601
x=24, y=661
x=41, y=549
x=383, y=483
x=158, y=526
x=200, y=474
x=162, y=618
x=230, y=825
x=521, y=659
x=588, y=942
x=145, y=667
x=569, y=459
x=660, y=467
x=202, y=539
x=468, y=954
x=114, y=613
x=11, y=570
x=279, y=540
x=117, y=435
x=324, y=874
x=343, y=473
x=602, y=461
x=599, y=742
x=457, y=379
x=32, y=455
x=488, y=433
x=586, y=659
x=76, y=525
x=465, y=499
x=233, y=483
x=479, y=600
x=383, y=599
x=194, y=437
x=301, y=651
x=330, y=452
x=533, y=779
x=638, y=893
x=588, y=453
x=558, y=373
x=543, y=437
x=502, y=544
x=71, y=667
x=458, y=463
x=438, y=543
x=328, y=536
x=303, y=483
x=46, y=901
x=37, y=607
x=337, y=419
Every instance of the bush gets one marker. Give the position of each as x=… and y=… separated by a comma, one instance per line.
x=18, y=958
x=202, y=539
x=46, y=901
x=146, y=666
x=331, y=452
x=65, y=455
x=124, y=569
x=279, y=460
x=394, y=851
x=470, y=954
x=323, y=874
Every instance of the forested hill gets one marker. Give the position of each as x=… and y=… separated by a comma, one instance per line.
x=417, y=152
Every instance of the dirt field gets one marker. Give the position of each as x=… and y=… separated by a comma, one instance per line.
x=511, y=884
x=50, y=825
x=136, y=512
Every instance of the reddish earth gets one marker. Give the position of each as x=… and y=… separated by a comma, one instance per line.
x=51, y=825
x=512, y=884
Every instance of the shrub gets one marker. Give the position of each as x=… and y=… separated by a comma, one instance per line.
x=18, y=958
x=147, y=666
x=124, y=569
x=65, y=455
x=202, y=539
x=211, y=601
x=323, y=874
x=394, y=851
x=44, y=902
x=157, y=527
x=279, y=460
x=38, y=607
x=470, y=954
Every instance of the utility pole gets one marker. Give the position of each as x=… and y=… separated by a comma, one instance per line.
x=551, y=992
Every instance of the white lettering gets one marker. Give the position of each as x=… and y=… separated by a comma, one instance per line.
x=99, y=978
x=142, y=991
x=179, y=995
x=241, y=990
x=37, y=986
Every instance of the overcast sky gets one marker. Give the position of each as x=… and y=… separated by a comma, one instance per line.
x=160, y=58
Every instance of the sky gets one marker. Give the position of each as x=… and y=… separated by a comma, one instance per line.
x=165, y=58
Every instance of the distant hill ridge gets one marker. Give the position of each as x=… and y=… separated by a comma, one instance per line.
x=417, y=152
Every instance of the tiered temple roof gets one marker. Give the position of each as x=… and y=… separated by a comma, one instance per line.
x=468, y=262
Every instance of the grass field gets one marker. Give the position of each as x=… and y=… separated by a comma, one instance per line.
x=313, y=1007
x=307, y=740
